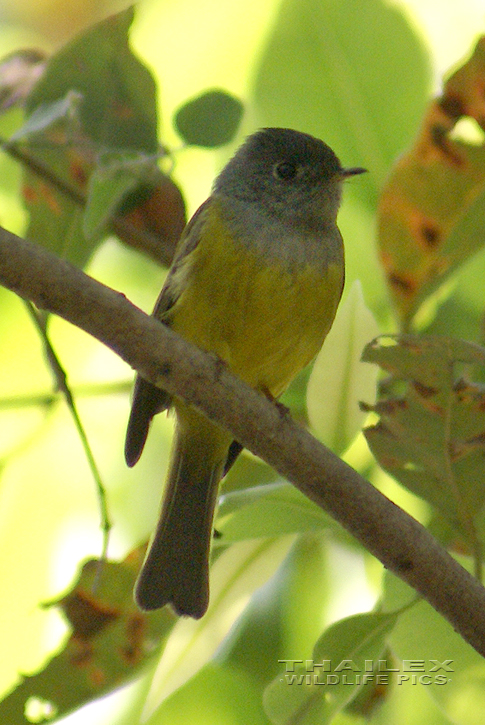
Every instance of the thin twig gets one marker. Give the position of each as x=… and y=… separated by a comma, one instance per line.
x=86, y=390
x=61, y=383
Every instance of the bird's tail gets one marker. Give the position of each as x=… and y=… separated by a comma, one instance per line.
x=176, y=569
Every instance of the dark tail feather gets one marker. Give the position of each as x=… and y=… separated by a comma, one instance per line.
x=234, y=450
x=148, y=400
x=176, y=570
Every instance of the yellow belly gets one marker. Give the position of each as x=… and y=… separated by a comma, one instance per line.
x=265, y=321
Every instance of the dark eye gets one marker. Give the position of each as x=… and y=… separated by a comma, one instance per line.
x=285, y=170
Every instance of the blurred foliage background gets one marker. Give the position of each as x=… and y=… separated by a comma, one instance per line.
x=359, y=75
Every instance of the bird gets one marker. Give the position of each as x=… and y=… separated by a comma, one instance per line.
x=256, y=280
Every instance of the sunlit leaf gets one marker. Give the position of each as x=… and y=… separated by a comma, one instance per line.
x=431, y=430
x=214, y=689
x=432, y=209
x=315, y=76
x=210, y=120
x=312, y=693
x=271, y=510
x=111, y=640
x=339, y=380
x=454, y=671
x=236, y=574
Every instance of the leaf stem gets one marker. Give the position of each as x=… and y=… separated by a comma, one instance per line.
x=45, y=400
x=61, y=383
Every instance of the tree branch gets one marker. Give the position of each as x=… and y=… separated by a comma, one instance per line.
x=164, y=358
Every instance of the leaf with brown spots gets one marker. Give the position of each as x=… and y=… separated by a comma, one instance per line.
x=432, y=209
x=96, y=98
x=111, y=640
x=431, y=430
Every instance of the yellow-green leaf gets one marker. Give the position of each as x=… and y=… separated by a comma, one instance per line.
x=339, y=380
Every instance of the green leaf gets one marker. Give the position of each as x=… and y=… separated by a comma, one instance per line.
x=454, y=671
x=118, y=91
x=113, y=178
x=314, y=692
x=215, y=689
x=56, y=222
x=209, y=120
x=271, y=510
x=94, y=96
x=236, y=574
x=326, y=70
x=339, y=380
x=431, y=431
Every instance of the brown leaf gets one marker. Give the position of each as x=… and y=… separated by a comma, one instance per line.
x=110, y=640
x=432, y=208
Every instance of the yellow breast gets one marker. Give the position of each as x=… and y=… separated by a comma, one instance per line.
x=263, y=318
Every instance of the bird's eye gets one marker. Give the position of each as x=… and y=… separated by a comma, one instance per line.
x=284, y=170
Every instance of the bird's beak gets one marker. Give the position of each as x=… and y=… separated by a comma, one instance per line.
x=353, y=171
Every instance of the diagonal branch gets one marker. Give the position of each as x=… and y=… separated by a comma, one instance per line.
x=164, y=358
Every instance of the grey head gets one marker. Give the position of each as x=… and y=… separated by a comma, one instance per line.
x=287, y=174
